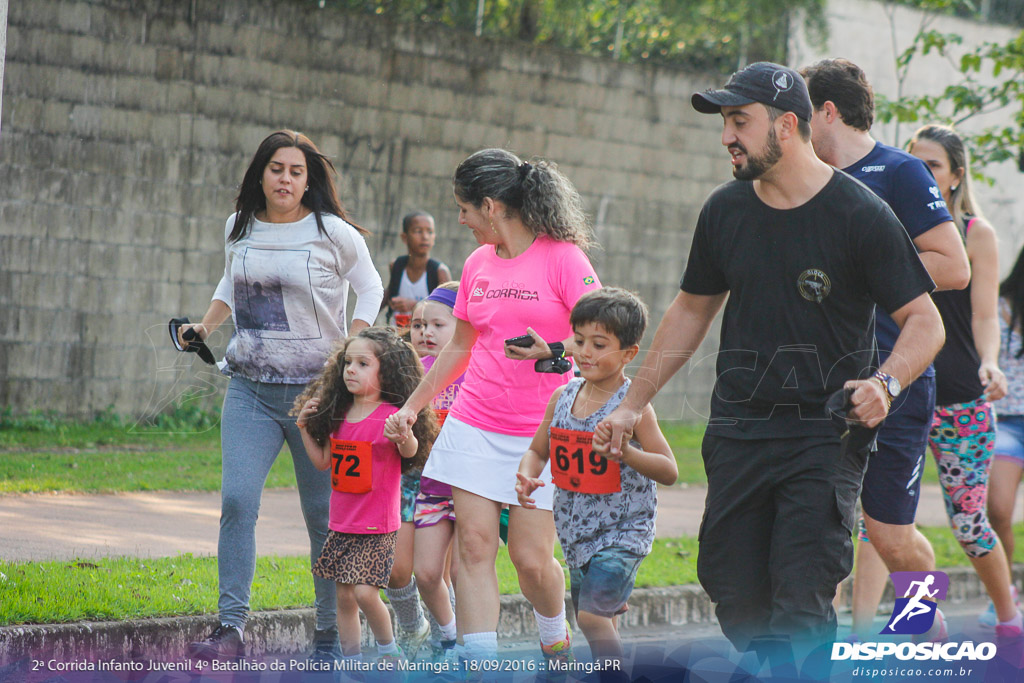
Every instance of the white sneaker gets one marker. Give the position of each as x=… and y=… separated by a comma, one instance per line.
x=411, y=641
x=989, y=618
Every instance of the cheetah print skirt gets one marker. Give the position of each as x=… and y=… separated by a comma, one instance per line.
x=357, y=558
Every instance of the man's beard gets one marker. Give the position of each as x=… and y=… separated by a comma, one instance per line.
x=757, y=166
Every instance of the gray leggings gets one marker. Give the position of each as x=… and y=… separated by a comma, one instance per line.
x=254, y=426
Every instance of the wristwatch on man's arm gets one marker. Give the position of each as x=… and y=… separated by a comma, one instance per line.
x=890, y=385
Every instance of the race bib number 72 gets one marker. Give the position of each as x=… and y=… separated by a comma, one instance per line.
x=351, y=466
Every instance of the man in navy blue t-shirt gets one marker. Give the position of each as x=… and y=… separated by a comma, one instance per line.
x=840, y=132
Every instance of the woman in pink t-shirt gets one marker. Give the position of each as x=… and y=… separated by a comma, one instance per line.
x=526, y=276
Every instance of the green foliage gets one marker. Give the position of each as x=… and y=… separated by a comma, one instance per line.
x=189, y=414
x=187, y=419
x=989, y=79
x=705, y=34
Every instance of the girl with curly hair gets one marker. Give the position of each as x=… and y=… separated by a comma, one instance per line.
x=341, y=418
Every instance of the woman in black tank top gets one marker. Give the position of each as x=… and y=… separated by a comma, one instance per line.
x=967, y=379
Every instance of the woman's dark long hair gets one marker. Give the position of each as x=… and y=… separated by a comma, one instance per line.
x=1012, y=289
x=546, y=201
x=400, y=373
x=321, y=198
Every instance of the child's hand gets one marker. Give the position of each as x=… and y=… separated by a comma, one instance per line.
x=614, y=431
x=620, y=454
x=311, y=408
x=402, y=304
x=525, y=486
x=394, y=434
x=398, y=426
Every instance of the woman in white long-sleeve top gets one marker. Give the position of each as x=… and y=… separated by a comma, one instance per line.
x=290, y=257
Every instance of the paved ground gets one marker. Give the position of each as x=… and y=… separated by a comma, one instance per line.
x=67, y=526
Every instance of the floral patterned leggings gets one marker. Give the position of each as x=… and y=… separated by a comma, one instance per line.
x=961, y=440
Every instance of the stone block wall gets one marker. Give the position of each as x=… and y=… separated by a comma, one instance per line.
x=127, y=125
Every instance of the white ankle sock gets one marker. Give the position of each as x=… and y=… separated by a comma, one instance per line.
x=481, y=645
x=387, y=648
x=448, y=630
x=552, y=629
x=1017, y=621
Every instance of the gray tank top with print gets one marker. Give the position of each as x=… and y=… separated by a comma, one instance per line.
x=587, y=522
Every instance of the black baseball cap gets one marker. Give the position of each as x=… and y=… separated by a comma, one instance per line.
x=764, y=82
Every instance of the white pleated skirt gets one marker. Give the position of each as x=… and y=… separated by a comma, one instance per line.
x=484, y=463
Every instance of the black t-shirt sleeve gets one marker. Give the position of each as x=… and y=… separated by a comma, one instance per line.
x=893, y=271
x=703, y=274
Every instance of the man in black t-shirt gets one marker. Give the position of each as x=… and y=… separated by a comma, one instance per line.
x=803, y=253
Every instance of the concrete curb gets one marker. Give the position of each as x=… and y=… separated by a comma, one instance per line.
x=290, y=631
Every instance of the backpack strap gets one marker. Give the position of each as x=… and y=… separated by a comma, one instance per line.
x=397, y=268
x=432, y=267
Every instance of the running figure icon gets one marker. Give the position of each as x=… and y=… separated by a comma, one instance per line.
x=915, y=607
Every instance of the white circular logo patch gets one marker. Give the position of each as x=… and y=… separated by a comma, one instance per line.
x=782, y=82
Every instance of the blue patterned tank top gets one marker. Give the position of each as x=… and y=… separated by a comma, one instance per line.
x=587, y=522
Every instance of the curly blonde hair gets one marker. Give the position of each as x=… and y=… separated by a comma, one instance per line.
x=400, y=373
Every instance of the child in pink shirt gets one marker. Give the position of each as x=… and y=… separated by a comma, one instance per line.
x=362, y=384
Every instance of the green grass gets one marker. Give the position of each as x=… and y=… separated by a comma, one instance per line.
x=186, y=424
x=127, y=588
x=177, y=451
x=685, y=439
x=104, y=471
x=130, y=588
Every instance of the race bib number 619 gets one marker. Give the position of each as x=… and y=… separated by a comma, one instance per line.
x=576, y=467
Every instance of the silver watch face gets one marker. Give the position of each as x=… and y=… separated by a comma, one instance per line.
x=892, y=385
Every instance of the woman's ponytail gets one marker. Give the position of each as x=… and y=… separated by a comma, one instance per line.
x=546, y=201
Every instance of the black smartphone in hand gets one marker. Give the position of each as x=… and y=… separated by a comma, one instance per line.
x=525, y=341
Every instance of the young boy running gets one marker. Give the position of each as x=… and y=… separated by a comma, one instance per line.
x=604, y=508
